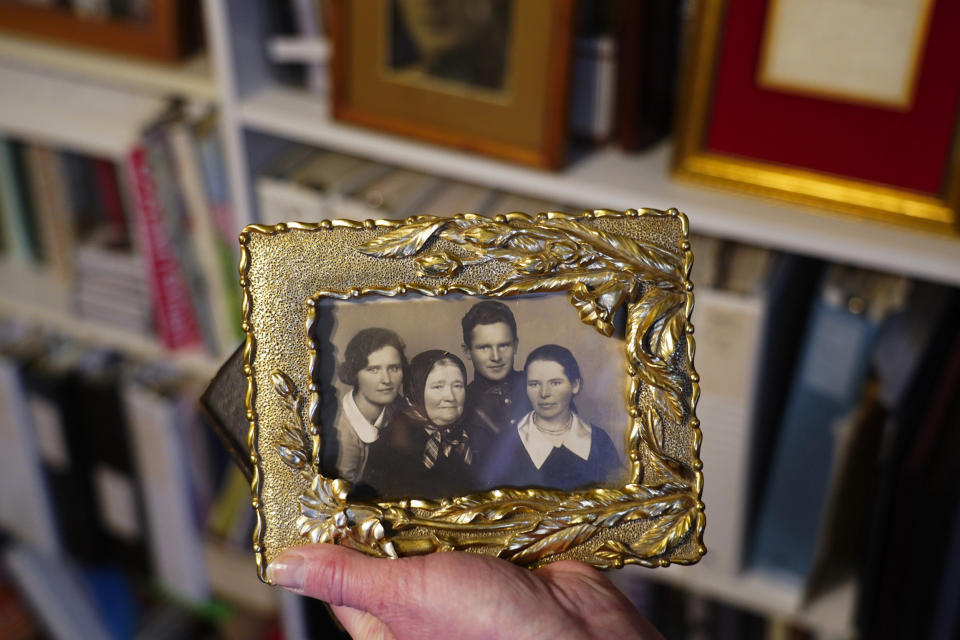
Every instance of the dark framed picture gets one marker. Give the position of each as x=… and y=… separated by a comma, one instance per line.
x=850, y=107
x=489, y=76
x=519, y=386
x=162, y=30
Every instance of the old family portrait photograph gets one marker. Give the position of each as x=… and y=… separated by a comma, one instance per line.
x=440, y=397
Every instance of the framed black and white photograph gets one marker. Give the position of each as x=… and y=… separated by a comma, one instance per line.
x=433, y=396
x=486, y=76
x=519, y=386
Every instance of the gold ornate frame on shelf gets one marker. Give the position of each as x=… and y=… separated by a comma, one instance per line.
x=606, y=261
x=937, y=210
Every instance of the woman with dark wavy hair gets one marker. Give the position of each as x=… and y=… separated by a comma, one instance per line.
x=374, y=367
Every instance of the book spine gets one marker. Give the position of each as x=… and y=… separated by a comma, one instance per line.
x=12, y=211
x=54, y=217
x=160, y=455
x=729, y=330
x=28, y=511
x=111, y=200
x=174, y=315
x=203, y=236
x=594, y=88
x=831, y=374
x=649, y=38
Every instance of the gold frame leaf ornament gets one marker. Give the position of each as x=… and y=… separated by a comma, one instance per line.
x=606, y=261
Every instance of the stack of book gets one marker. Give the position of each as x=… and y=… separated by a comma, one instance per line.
x=308, y=185
x=143, y=242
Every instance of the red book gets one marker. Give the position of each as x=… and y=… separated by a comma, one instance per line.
x=105, y=173
x=175, y=318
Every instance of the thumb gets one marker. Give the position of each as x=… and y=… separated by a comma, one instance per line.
x=337, y=575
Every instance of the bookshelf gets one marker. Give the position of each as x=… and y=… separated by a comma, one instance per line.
x=117, y=94
x=612, y=179
x=42, y=298
x=192, y=79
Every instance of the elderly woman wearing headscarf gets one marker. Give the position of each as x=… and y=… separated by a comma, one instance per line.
x=427, y=450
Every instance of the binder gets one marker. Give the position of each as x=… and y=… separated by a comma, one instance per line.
x=844, y=323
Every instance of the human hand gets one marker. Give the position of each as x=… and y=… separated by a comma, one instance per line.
x=459, y=595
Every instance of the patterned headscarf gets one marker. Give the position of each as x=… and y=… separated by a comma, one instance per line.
x=440, y=440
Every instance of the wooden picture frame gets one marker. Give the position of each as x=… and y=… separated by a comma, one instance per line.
x=503, y=92
x=173, y=31
x=894, y=160
x=620, y=278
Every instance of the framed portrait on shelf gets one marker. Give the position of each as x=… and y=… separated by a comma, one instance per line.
x=851, y=107
x=161, y=30
x=489, y=76
x=519, y=386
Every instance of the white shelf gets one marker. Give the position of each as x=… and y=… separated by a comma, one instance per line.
x=830, y=614
x=42, y=298
x=615, y=180
x=192, y=78
x=68, y=113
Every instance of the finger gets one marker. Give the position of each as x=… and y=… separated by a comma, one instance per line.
x=569, y=568
x=360, y=624
x=589, y=595
x=338, y=575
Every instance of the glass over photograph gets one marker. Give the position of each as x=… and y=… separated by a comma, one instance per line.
x=440, y=397
x=450, y=41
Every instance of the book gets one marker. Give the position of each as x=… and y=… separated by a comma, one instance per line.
x=916, y=497
x=593, y=94
x=159, y=442
x=99, y=416
x=55, y=218
x=927, y=328
x=729, y=330
x=17, y=618
x=111, y=200
x=28, y=512
x=278, y=199
x=176, y=220
x=308, y=185
x=738, y=321
x=204, y=240
x=458, y=197
x=649, y=36
x=56, y=591
x=81, y=192
x=945, y=621
x=504, y=202
x=844, y=322
x=857, y=438
x=111, y=287
x=174, y=316
x=50, y=382
x=397, y=194
x=14, y=212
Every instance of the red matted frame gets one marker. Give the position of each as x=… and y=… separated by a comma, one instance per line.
x=899, y=166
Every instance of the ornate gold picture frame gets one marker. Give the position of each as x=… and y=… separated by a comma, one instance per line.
x=625, y=279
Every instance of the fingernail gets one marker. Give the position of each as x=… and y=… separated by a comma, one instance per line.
x=287, y=572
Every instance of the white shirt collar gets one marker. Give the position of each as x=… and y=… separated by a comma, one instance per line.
x=540, y=445
x=367, y=432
